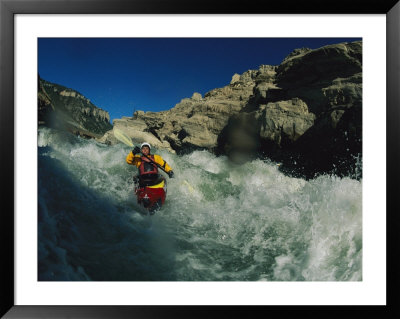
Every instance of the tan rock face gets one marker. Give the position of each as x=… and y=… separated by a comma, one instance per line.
x=285, y=120
x=301, y=106
x=194, y=122
x=279, y=123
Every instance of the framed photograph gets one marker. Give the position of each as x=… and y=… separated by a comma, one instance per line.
x=327, y=244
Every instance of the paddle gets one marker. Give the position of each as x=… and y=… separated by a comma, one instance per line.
x=122, y=137
x=126, y=140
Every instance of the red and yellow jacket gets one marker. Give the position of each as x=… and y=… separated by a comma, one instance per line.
x=137, y=161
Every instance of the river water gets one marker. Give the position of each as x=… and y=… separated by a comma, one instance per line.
x=220, y=221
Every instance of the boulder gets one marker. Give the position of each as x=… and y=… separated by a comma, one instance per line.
x=284, y=122
x=278, y=123
x=136, y=129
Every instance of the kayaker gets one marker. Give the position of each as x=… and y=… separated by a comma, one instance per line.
x=148, y=171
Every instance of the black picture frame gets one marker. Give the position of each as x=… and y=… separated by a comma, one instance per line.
x=8, y=10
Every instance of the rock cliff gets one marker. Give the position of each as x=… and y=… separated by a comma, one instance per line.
x=311, y=120
x=196, y=122
x=305, y=113
x=66, y=109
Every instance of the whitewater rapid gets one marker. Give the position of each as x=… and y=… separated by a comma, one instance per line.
x=220, y=221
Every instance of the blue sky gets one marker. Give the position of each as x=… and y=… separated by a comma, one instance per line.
x=121, y=75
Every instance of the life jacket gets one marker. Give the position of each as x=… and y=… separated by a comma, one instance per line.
x=146, y=167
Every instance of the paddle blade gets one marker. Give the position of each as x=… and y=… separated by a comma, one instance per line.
x=119, y=135
x=190, y=187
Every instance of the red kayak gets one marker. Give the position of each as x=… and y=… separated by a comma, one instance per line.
x=151, y=197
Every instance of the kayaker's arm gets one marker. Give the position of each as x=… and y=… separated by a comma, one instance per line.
x=133, y=159
x=136, y=150
x=159, y=160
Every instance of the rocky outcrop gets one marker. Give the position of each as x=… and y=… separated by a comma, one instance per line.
x=281, y=123
x=310, y=118
x=136, y=129
x=66, y=109
x=196, y=122
x=305, y=113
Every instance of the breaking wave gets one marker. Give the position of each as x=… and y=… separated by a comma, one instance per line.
x=220, y=221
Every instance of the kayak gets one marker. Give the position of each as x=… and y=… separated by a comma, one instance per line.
x=151, y=197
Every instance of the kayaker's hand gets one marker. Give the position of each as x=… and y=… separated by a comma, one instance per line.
x=136, y=150
x=171, y=174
